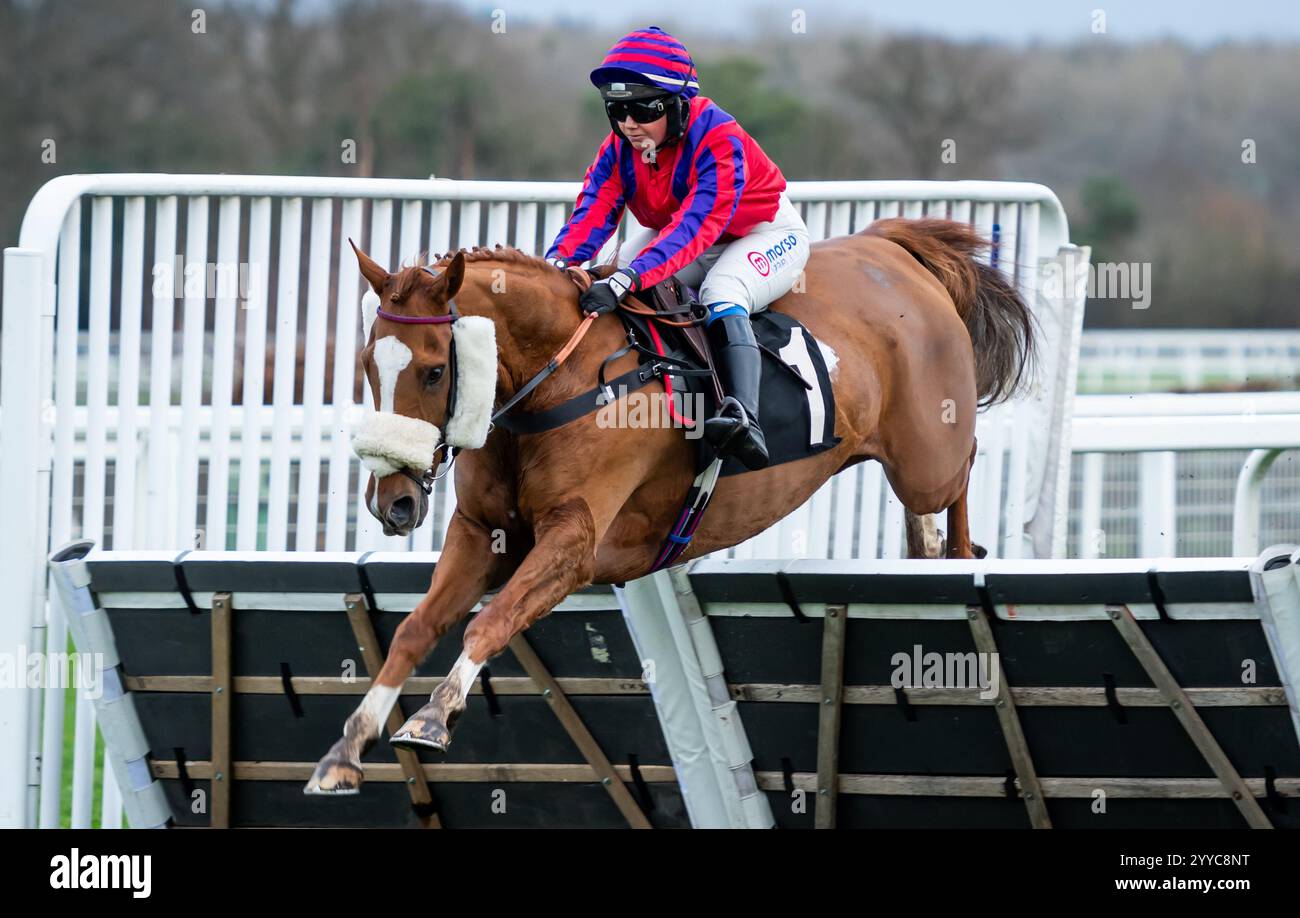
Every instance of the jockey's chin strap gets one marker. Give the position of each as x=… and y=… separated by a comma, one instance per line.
x=426, y=478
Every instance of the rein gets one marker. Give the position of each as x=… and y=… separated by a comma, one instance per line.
x=660, y=317
x=583, y=280
x=427, y=478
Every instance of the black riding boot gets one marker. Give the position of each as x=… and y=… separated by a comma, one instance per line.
x=734, y=430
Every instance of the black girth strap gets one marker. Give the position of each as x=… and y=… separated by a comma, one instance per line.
x=575, y=407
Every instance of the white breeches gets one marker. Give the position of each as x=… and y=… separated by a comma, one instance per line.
x=751, y=271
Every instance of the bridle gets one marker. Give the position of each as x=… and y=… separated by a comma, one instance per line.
x=426, y=479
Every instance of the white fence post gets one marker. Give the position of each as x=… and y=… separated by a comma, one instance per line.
x=1245, y=508
x=28, y=301
x=1158, y=487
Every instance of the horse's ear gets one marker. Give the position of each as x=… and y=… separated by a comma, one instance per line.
x=454, y=274
x=375, y=276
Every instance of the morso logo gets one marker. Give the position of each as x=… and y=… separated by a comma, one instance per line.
x=762, y=261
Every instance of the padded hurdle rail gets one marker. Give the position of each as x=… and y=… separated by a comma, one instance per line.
x=238, y=670
x=1129, y=693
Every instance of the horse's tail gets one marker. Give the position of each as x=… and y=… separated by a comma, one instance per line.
x=1000, y=324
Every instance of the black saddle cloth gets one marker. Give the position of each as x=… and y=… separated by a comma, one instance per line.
x=797, y=421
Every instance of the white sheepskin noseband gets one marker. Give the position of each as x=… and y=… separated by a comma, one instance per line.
x=476, y=381
x=387, y=442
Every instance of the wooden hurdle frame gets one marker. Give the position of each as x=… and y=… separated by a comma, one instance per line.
x=408, y=769
x=693, y=621
x=832, y=694
x=224, y=769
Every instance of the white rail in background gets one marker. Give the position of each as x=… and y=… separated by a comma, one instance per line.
x=298, y=227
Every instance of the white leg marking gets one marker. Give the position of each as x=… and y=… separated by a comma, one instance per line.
x=463, y=674
x=374, y=708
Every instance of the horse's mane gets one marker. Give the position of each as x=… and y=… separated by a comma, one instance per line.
x=506, y=253
x=498, y=254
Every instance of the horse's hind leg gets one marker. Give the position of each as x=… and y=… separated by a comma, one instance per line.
x=462, y=576
x=959, y=543
x=922, y=535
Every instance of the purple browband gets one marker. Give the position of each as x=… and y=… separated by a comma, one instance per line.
x=415, y=320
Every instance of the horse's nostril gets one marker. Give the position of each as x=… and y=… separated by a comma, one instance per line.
x=401, y=511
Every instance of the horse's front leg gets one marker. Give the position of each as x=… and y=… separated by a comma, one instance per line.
x=562, y=560
x=463, y=574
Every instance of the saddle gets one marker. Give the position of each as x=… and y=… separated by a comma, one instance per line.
x=796, y=404
x=671, y=297
x=796, y=401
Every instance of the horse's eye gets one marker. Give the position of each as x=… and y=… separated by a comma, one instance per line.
x=431, y=378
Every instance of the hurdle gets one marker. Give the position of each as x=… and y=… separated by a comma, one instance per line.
x=1117, y=694
x=797, y=693
x=227, y=674
x=107, y=428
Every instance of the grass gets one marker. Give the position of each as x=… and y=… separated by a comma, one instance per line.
x=69, y=741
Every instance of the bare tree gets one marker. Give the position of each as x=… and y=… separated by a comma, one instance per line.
x=927, y=91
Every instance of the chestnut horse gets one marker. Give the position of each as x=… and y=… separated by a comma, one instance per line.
x=916, y=334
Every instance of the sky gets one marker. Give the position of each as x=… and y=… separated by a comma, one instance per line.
x=1197, y=22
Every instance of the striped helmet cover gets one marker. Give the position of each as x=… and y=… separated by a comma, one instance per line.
x=649, y=56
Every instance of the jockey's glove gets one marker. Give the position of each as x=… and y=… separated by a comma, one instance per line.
x=559, y=263
x=605, y=295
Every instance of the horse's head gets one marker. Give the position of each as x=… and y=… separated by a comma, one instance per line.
x=433, y=375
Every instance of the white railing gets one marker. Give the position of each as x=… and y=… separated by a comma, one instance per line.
x=1156, y=427
x=1159, y=427
x=293, y=231
x=62, y=443
x=1136, y=360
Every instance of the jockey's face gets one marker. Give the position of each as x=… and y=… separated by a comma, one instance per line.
x=640, y=135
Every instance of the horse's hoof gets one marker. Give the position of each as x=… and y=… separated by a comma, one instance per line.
x=335, y=776
x=416, y=743
x=423, y=732
x=979, y=551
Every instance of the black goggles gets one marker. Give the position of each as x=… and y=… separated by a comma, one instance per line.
x=643, y=111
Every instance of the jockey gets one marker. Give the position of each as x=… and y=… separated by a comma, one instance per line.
x=714, y=209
